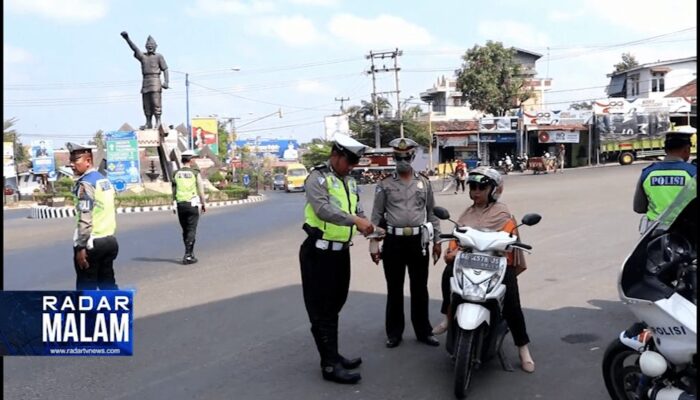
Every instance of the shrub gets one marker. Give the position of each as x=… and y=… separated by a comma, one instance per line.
x=216, y=177
x=131, y=200
x=64, y=184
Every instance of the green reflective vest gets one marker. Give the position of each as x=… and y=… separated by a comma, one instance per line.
x=661, y=188
x=345, y=200
x=104, y=216
x=185, y=184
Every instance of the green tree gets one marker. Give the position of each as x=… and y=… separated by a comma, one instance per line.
x=628, y=62
x=361, y=120
x=98, y=140
x=10, y=134
x=491, y=79
x=317, y=154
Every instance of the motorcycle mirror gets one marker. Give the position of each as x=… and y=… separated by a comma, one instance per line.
x=441, y=212
x=531, y=219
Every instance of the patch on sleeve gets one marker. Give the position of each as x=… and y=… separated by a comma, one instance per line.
x=321, y=180
x=85, y=205
x=377, y=189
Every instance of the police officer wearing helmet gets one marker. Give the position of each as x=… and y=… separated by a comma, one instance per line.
x=660, y=183
x=332, y=214
x=94, y=245
x=188, y=196
x=404, y=202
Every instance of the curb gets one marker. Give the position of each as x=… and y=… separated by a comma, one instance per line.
x=46, y=212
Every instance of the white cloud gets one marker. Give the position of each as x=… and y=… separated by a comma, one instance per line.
x=292, y=30
x=563, y=16
x=233, y=7
x=15, y=55
x=323, y=3
x=62, y=10
x=513, y=33
x=649, y=18
x=310, y=86
x=382, y=31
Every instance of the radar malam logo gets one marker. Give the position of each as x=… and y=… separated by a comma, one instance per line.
x=66, y=323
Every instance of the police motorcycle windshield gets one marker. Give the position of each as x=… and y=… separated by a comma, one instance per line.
x=671, y=241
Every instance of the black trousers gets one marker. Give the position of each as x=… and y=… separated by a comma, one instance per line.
x=398, y=253
x=512, y=311
x=325, y=280
x=189, y=217
x=100, y=274
x=460, y=183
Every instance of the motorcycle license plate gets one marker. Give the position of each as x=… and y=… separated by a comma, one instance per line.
x=480, y=261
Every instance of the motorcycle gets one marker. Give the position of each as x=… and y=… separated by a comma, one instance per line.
x=656, y=358
x=521, y=163
x=476, y=328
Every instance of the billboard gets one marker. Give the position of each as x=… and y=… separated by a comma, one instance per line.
x=8, y=159
x=284, y=149
x=558, y=117
x=664, y=104
x=123, y=164
x=498, y=125
x=558, y=137
x=205, y=132
x=42, y=156
x=336, y=124
x=632, y=125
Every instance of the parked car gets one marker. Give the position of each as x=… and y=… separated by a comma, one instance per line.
x=278, y=182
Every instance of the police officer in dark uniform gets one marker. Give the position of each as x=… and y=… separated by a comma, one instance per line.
x=188, y=196
x=404, y=202
x=661, y=182
x=94, y=245
x=332, y=214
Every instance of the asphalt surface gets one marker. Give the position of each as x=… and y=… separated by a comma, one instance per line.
x=233, y=326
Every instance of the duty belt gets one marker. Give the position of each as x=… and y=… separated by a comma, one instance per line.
x=406, y=231
x=329, y=245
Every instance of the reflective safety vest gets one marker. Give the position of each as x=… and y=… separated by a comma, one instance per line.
x=104, y=216
x=662, y=182
x=345, y=200
x=185, y=184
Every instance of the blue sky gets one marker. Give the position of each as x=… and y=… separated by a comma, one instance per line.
x=68, y=73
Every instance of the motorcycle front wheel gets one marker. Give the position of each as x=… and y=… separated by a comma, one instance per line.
x=465, y=356
x=621, y=371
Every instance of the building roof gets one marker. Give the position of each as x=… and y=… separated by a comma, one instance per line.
x=690, y=89
x=462, y=126
x=126, y=127
x=655, y=64
x=532, y=53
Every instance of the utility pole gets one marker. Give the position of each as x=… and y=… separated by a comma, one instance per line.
x=430, y=134
x=398, y=102
x=342, y=101
x=373, y=70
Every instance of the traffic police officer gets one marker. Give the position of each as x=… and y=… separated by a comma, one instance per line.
x=404, y=202
x=188, y=196
x=332, y=214
x=94, y=244
x=661, y=182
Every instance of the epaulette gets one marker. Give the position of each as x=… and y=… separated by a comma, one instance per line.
x=320, y=167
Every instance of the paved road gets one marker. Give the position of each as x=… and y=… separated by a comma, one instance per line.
x=234, y=325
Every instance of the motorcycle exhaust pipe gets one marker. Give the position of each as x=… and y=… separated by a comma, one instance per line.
x=669, y=393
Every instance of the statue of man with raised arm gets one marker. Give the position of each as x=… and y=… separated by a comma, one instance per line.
x=152, y=64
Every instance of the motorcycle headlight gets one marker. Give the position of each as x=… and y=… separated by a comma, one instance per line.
x=477, y=291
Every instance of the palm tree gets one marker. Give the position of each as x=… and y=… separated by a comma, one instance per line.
x=10, y=134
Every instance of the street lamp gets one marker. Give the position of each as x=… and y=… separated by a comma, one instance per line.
x=187, y=101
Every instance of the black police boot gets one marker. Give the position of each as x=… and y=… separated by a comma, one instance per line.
x=336, y=373
x=351, y=363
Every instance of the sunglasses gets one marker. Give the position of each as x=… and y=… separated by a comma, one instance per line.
x=479, y=186
x=403, y=157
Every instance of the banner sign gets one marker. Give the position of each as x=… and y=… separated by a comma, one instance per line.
x=284, y=149
x=665, y=104
x=123, y=163
x=498, y=124
x=67, y=323
x=42, y=156
x=205, y=132
x=8, y=159
x=558, y=117
x=632, y=125
x=558, y=137
x=497, y=138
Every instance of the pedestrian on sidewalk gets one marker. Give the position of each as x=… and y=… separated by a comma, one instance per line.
x=94, y=245
x=188, y=197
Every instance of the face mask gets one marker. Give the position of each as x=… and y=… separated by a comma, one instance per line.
x=403, y=166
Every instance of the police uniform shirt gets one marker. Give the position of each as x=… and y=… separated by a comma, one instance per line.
x=318, y=197
x=641, y=201
x=199, y=198
x=84, y=191
x=403, y=204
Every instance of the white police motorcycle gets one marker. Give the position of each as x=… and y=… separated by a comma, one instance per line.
x=656, y=358
x=476, y=328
